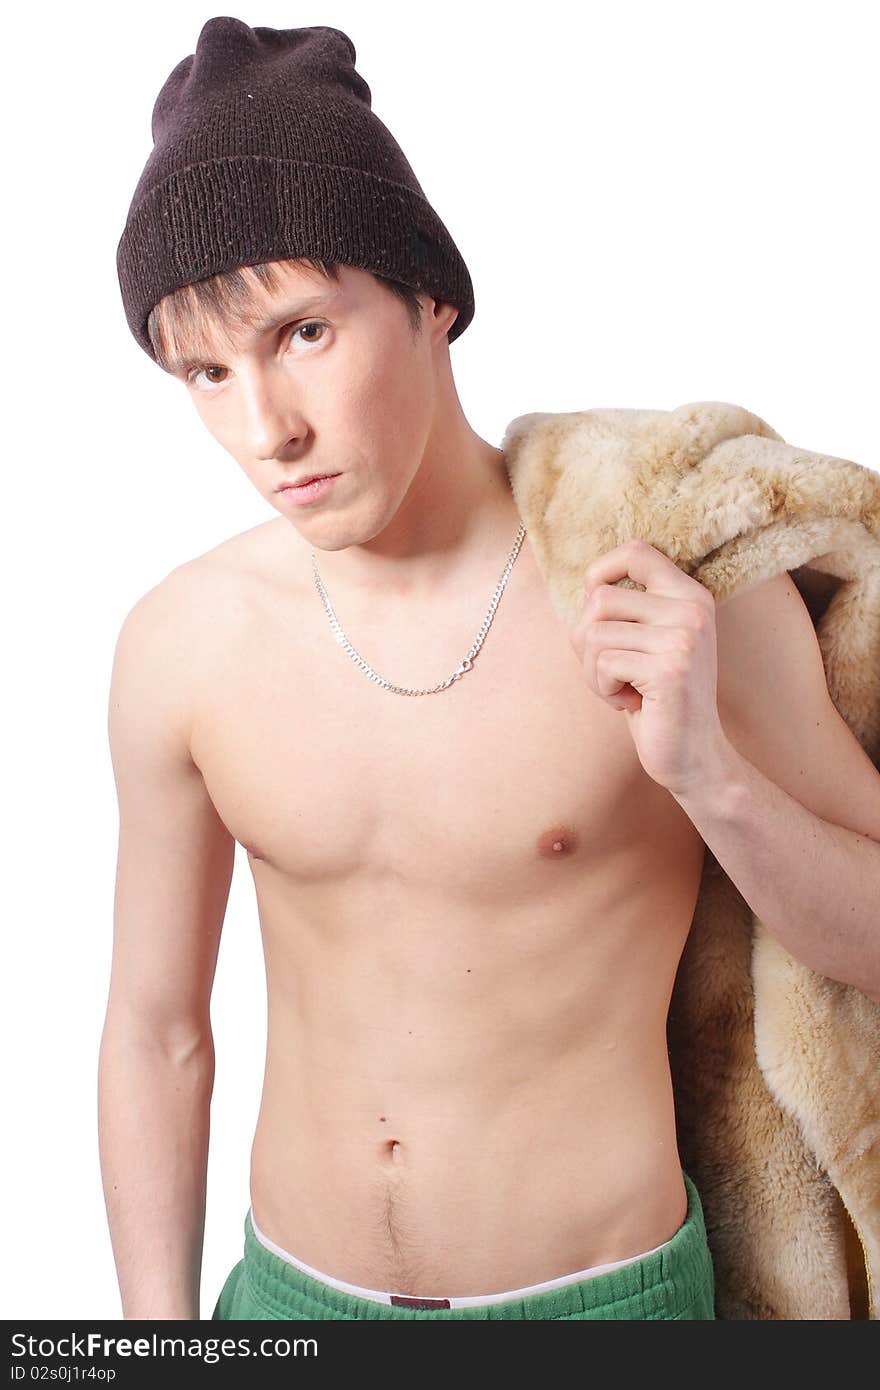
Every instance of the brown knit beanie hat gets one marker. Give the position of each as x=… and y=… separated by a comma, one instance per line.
x=265, y=147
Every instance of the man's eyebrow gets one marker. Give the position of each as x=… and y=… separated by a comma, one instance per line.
x=178, y=366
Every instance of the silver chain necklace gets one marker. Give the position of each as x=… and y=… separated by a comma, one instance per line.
x=463, y=666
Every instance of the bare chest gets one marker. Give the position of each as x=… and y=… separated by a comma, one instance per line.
x=507, y=782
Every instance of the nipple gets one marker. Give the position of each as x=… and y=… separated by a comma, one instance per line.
x=559, y=842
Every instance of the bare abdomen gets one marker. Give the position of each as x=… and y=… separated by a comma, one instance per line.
x=467, y=1153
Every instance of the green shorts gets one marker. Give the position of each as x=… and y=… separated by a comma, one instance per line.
x=675, y=1281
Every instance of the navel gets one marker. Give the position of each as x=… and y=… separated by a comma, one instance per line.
x=559, y=842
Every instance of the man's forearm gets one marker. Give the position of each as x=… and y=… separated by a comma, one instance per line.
x=153, y=1129
x=814, y=885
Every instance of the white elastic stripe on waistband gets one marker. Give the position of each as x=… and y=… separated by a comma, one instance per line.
x=376, y=1294
x=459, y=1301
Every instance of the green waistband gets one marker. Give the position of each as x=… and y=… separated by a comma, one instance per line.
x=672, y=1282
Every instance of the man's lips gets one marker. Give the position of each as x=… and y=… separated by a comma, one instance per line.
x=308, y=493
x=303, y=482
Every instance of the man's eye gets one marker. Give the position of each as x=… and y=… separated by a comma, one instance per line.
x=313, y=323
x=297, y=328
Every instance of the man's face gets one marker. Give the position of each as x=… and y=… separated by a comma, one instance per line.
x=337, y=386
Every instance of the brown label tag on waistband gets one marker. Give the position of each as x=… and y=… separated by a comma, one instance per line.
x=401, y=1301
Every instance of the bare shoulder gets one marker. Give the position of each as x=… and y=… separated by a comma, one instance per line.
x=261, y=557
x=179, y=636
x=211, y=587
x=150, y=697
x=167, y=637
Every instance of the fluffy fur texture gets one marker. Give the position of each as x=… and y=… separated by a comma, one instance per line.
x=776, y=1069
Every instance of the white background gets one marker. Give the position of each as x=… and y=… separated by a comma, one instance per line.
x=658, y=203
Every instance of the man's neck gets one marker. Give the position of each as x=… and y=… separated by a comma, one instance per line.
x=456, y=526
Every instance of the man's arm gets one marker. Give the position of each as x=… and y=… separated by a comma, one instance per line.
x=790, y=806
x=156, y=1063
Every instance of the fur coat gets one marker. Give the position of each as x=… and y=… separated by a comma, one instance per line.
x=776, y=1069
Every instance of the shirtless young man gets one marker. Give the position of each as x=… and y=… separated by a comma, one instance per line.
x=473, y=903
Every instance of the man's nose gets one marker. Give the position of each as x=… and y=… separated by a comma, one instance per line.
x=271, y=417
